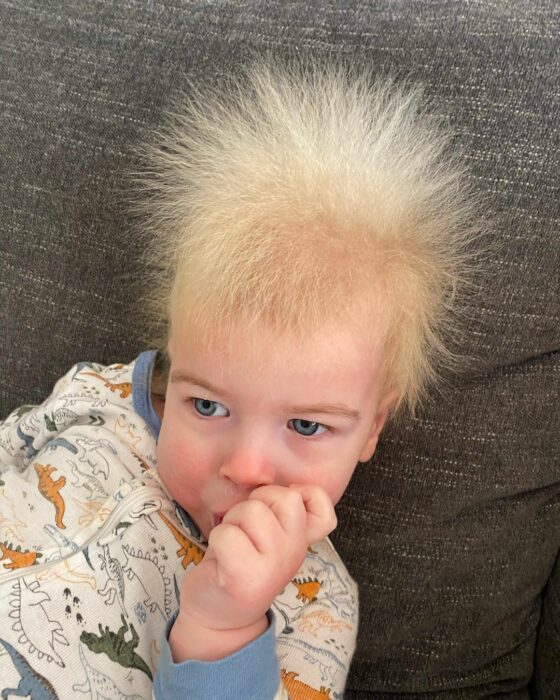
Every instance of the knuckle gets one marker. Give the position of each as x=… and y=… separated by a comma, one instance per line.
x=292, y=497
x=223, y=536
x=262, y=491
x=255, y=508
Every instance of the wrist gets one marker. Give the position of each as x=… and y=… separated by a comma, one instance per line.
x=190, y=640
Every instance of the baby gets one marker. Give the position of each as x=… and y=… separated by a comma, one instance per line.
x=164, y=522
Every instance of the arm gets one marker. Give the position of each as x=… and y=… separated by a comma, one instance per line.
x=307, y=647
x=251, y=673
x=190, y=640
x=28, y=429
x=42, y=451
x=251, y=558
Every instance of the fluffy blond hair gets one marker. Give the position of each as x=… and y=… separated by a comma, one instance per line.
x=295, y=196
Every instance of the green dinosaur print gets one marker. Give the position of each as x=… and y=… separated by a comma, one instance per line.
x=49, y=422
x=22, y=410
x=114, y=645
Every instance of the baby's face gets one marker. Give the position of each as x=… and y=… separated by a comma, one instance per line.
x=248, y=412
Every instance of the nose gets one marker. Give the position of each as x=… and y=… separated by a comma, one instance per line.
x=248, y=468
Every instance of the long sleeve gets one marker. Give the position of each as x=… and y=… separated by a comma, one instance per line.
x=306, y=649
x=80, y=507
x=252, y=673
x=90, y=557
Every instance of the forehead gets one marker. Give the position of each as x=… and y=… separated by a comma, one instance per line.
x=330, y=360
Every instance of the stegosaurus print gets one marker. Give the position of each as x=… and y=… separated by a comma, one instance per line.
x=307, y=589
x=32, y=620
x=301, y=691
x=18, y=559
x=158, y=595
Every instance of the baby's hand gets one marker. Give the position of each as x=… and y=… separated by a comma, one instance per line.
x=253, y=554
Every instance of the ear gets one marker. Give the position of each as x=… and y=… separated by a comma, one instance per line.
x=381, y=416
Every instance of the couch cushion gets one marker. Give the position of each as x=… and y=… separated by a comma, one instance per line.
x=453, y=528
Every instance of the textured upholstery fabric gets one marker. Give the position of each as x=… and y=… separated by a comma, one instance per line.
x=453, y=529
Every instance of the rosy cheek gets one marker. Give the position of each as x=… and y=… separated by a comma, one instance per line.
x=168, y=453
x=333, y=487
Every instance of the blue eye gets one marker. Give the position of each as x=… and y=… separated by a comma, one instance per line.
x=308, y=428
x=206, y=407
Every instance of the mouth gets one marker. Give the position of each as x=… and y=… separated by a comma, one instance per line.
x=217, y=519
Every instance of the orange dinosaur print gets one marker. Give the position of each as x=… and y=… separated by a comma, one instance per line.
x=66, y=573
x=90, y=511
x=124, y=387
x=188, y=550
x=154, y=653
x=319, y=619
x=297, y=690
x=19, y=560
x=128, y=432
x=51, y=490
x=307, y=589
x=11, y=527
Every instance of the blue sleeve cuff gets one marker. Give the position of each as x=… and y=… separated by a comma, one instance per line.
x=251, y=673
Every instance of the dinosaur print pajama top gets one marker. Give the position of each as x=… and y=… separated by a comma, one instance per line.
x=93, y=551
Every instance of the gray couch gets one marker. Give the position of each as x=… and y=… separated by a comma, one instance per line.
x=453, y=529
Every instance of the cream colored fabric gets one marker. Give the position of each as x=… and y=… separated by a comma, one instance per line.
x=94, y=552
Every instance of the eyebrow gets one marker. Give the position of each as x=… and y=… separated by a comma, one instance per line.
x=337, y=409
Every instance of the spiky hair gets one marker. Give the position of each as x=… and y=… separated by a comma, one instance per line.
x=294, y=196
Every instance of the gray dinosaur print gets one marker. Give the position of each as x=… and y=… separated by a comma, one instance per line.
x=62, y=417
x=336, y=588
x=114, y=586
x=84, y=365
x=32, y=620
x=30, y=451
x=329, y=664
x=61, y=442
x=159, y=594
x=31, y=684
x=88, y=482
x=73, y=399
x=64, y=543
x=100, y=686
x=92, y=455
